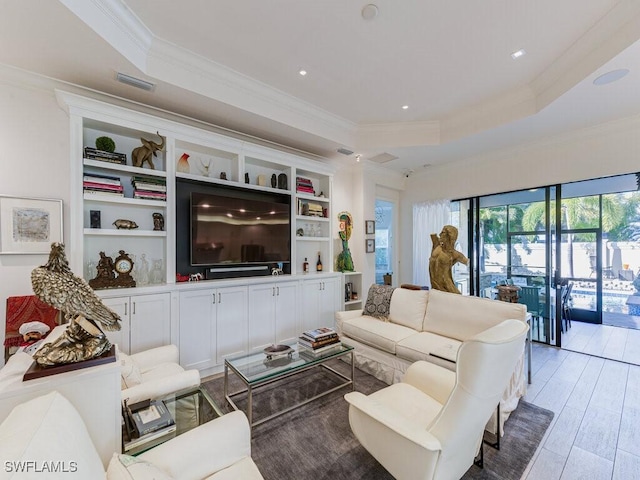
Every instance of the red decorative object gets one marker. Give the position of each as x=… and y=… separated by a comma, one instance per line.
x=182, y=278
x=28, y=308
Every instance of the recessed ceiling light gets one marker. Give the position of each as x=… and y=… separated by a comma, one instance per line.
x=302, y=72
x=517, y=54
x=405, y=107
x=610, y=77
x=369, y=12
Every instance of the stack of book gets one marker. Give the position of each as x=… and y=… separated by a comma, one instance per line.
x=93, y=183
x=111, y=157
x=149, y=188
x=311, y=209
x=319, y=340
x=304, y=185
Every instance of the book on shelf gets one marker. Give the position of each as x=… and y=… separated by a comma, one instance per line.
x=317, y=351
x=149, y=196
x=303, y=181
x=305, y=342
x=106, y=193
x=152, y=187
x=103, y=179
x=94, y=153
x=102, y=186
x=149, y=193
x=151, y=418
x=150, y=180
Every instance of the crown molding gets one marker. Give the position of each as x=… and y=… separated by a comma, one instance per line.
x=575, y=137
x=117, y=25
x=166, y=62
x=617, y=30
x=193, y=72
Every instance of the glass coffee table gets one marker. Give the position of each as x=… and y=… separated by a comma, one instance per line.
x=189, y=409
x=256, y=370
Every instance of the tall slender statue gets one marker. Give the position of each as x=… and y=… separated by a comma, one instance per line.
x=443, y=257
x=345, y=262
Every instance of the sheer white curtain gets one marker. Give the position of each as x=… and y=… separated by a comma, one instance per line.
x=428, y=218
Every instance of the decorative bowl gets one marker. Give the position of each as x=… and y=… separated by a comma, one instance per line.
x=273, y=351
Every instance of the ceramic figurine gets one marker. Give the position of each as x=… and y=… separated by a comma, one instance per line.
x=183, y=164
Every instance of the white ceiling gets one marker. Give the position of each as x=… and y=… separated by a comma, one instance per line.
x=235, y=64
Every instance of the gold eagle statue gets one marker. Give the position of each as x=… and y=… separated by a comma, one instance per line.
x=55, y=284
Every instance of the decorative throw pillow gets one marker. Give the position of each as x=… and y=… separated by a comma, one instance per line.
x=130, y=375
x=379, y=301
x=126, y=467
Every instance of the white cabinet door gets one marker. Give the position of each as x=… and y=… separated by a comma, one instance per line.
x=319, y=302
x=232, y=322
x=150, y=321
x=328, y=301
x=120, y=305
x=262, y=315
x=197, y=329
x=309, y=313
x=286, y=313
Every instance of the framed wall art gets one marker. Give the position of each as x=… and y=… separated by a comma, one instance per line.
x=370, y=245
x=369, y=227
x=29, y=225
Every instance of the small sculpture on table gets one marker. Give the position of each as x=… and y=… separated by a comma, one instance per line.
x=158, y=221
x=443, y=257
x=147, y=151
x=344, y=262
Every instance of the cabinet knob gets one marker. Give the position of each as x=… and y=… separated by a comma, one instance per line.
x=278, y=291
x=213, y=295
x=219, y=297
x=125, y=308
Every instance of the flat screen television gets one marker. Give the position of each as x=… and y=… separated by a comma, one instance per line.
x=234, y=227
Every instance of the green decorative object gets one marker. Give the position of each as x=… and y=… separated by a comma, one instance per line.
x=105, y=144
x=344, y=263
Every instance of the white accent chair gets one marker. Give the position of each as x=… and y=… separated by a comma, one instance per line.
x=155, y=373
x=46, y=436
x=430, y=425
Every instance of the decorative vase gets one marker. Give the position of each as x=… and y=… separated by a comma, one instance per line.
x=183, y=163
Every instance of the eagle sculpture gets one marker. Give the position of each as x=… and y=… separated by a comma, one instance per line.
x=55, y=284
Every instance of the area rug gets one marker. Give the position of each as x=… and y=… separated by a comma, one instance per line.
x=316, y=442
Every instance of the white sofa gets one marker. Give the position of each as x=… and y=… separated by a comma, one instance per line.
x=431, y=326
x=47, y=438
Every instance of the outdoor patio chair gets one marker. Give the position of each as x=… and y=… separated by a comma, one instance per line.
x=530, y=296
x=565, y=296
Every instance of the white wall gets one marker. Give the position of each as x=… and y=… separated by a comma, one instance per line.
x=34, y=135
x=608, y=149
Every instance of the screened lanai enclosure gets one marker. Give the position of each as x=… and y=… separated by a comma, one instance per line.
x=572, y=249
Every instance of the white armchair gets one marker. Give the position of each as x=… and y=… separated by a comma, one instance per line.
x=49, y=431
x=430, y=425
x=155, y=373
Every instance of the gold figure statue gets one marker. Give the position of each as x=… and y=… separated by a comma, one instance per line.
x=55, y=284
x=443, y=257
